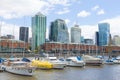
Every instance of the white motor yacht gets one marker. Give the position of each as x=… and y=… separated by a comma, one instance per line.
x=56, y=63
x=75, y=61
x=19, y=67
x=90, y=60
x=109, y=62
x=116, y=60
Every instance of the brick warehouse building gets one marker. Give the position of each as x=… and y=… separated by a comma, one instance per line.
x=11, y=45
x=56, y=47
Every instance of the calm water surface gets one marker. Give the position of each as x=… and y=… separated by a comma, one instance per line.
x=105, y=72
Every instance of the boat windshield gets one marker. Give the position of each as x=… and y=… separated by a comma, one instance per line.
x=53, y=59
x=68, y=59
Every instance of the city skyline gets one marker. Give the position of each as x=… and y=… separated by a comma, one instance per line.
x=87, y=14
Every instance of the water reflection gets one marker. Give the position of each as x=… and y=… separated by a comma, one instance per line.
x=105, y=72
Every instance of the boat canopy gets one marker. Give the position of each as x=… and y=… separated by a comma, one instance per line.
x=79, y=58
x=26, y=60
x=1, y=60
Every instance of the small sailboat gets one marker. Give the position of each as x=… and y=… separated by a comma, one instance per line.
x=75, y=61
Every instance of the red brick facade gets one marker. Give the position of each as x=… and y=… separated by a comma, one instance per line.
x=13, y=44
x=61, y=46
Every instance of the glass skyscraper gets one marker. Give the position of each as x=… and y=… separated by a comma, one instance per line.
x=23, y=34
x=104, y=33
x=38, y=30
x=75, y=34
x=59, y=31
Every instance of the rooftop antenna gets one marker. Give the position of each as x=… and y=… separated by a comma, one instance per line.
x=76, y=23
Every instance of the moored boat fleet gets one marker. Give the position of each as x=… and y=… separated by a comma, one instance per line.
x=27, y=67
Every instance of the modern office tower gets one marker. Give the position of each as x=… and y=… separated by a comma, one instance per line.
x=116, y=40
x=104, y=34
x=38, y=30
x=89, y=41
x=23, y=34
x=59, y=31
x=97, y=38
x=75, y=34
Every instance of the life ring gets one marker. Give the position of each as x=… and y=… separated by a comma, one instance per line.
x=30, y=70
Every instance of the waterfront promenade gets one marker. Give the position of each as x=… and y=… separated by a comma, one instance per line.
x=7, y=55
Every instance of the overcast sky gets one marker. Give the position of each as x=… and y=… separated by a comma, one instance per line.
x=86, y=13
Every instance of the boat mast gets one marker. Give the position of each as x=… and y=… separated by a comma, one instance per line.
x=12, y=41
x=109, y=47
x=0, y=34
x=24, y=37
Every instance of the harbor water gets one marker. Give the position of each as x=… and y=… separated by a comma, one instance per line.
x=104, y=72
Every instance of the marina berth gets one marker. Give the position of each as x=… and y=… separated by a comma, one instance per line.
x=75, y=61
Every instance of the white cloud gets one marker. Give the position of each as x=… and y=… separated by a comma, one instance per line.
x=95, y=7
x=64, y=11
x=18, y=8
x=12, y=30
x=9, y=29
x=83, y=14
x=100, y=12
x=67, y=21
x=60, y=2
x=88, y=31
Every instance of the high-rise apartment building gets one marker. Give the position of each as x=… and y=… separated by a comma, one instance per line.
x=59, y=31
x=116, y=40
x=24, y=33
x=38, y=30
x=104, y=33
x=75, y=34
